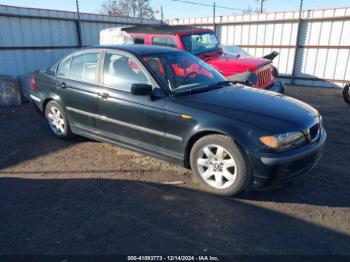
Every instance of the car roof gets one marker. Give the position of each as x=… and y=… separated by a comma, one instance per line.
x=162, y=29
x=138, y=49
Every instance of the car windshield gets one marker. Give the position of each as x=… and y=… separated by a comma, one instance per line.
x=181, y=71
x=235, y=50
x=201, y=43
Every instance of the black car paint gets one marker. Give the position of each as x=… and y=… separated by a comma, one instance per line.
x=154, y=124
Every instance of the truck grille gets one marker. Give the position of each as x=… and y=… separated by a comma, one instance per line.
x=265, y=77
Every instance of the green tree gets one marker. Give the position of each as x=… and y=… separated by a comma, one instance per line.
x=132, y=8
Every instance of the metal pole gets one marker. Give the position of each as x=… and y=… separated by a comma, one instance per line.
x=297, y=43
x=141, y=14
x=78, y=26
x=161, y=14
x=262, y=6
x=214, y=15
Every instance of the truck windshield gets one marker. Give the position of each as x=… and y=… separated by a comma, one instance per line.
x=181, y=71
x=201, y=43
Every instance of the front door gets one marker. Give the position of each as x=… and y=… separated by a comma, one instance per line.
x=135, y=120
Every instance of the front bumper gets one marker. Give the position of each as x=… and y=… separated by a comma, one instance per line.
x=277, y=86
x=276, y=168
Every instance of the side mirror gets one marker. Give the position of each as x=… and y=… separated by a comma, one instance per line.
x=247, y=78
x=141, y=89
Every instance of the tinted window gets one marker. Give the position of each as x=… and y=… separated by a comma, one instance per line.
x=156, y=65
x=164, y=41
x=181, y=70
x=63, y=69
x=139, y=40
x=121, y=72
x=84, y=67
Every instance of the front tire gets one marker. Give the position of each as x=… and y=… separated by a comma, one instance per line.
x=57, y=120
x=219, y=165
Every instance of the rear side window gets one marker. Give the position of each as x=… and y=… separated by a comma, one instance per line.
x=84, y=67
x=63, y=68
x=139, y=40
x=164, y=41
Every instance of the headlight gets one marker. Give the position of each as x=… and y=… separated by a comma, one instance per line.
x=283, y=142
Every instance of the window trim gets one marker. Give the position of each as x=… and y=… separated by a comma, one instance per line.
x=134, y=58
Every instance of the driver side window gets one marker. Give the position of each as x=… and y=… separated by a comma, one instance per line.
x=120, y=72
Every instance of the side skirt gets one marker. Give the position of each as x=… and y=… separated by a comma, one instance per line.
x=104, y=137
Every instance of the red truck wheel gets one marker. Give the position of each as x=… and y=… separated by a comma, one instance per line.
x=346, y=93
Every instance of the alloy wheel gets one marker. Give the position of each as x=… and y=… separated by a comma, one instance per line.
x=216, y=166
x=56, y=121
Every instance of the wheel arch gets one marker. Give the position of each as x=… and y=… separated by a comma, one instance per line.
x=49, y=99
x=46, y=101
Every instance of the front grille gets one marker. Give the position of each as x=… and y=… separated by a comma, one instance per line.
x=265, y=77
x=314, y=132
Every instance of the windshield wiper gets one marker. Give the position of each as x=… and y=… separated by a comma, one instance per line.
x=216, y=85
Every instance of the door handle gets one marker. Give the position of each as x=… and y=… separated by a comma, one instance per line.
x=62, y=85
x=104, y=95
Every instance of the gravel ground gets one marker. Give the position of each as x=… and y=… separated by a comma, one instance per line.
x=86, y=197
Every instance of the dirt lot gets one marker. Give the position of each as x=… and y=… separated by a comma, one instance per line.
x=85, y=197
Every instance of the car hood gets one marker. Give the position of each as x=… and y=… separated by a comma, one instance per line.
x=269, y=110
x=236, y=64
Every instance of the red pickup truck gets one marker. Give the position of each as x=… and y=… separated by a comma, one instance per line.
x=204, y=44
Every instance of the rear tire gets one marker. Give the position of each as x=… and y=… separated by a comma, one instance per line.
x=220, y=165
x=57, y=120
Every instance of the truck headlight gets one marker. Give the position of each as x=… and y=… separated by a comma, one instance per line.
x=282, y=142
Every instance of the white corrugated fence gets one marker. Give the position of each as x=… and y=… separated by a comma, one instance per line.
x=36, y=38
x=323, y=45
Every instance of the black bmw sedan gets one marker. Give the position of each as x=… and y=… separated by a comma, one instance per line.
x=170, y=104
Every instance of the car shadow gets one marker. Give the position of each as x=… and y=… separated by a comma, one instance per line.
x=101, y=216
x=25, y=135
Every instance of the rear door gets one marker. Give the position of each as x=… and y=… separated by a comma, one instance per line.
x=77, y=84
x=134, y=120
